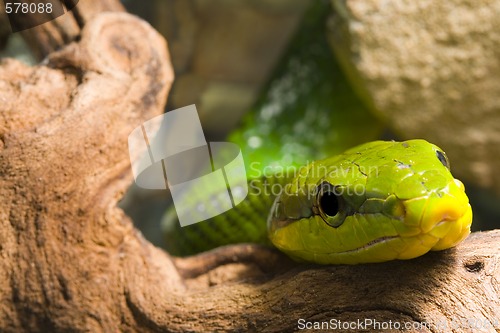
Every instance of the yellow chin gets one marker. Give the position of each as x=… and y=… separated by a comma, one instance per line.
x=446, y=217
x=457, y=231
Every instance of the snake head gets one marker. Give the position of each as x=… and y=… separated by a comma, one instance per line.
x=376, y=202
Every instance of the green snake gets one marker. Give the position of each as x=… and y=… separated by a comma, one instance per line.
x=378, y=201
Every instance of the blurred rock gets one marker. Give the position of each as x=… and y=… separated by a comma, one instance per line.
x=431, y=69
x=223, y=51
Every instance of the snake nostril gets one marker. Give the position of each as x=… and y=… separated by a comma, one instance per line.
x=443, y=159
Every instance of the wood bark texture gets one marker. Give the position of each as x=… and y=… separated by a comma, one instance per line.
x=71, y=261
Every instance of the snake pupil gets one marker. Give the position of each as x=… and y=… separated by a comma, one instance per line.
x=329, y=203
x=442, y=158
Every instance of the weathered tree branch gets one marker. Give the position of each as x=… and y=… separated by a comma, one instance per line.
x=71, y=261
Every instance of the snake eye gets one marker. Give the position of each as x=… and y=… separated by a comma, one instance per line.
x=329, y=203
x=443, y=159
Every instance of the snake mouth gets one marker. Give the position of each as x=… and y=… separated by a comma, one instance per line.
x=370, y=244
